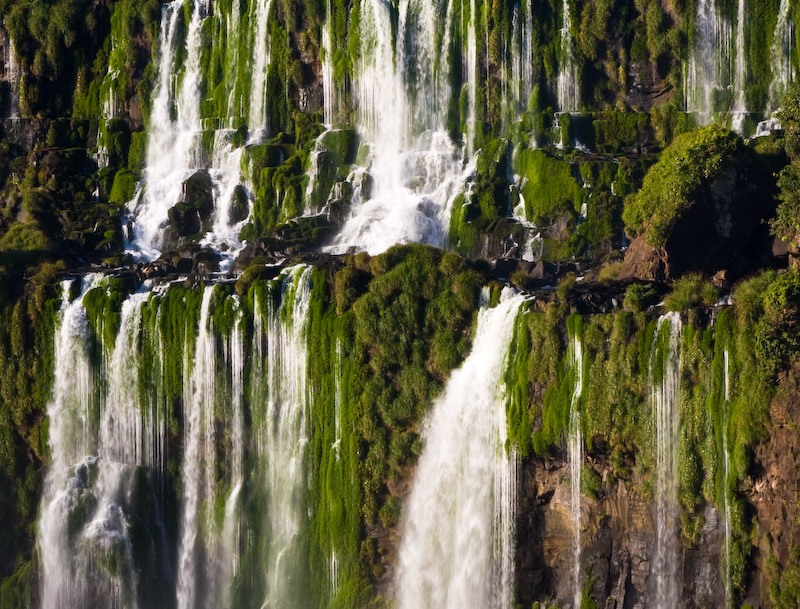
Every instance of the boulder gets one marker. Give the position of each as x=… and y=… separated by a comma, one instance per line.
x=722, y=226
x=192, y=215
x=240, y=206
x=342, y=145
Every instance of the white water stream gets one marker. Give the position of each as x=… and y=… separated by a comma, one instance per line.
x=568, y=92
x=665, y=396
x=457, y=547
x=781, y=57
x=739, y=106
x=575, y=451
x=99, y=438
x=708, y=74
x=280, y=360
x=401, y=92
x=726, y=473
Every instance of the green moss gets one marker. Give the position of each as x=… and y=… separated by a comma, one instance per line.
x=671, y=185
x=691, y=291
x=124, y=187
x=639, y=296
x=548, y=186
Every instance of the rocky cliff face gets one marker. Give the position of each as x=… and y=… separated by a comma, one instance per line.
x=618, y=539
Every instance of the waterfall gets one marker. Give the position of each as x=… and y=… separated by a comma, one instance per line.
x=99, y=443
x=531, y=247
x=726, y=474
x=457, y=547
x=708, y=74
x=225, y=176
x=739, y=108
x=261, y=59
x=568, y=94
x=214, y=401
x=178, y=144
x=521, y=57
x=329, y=89
x=173, y=146
x=665, y=396
x=113, y=81
x=101, y=532
x=575, y=449
x=198, y=458
x=234, y=358
x=69, y=412
x=402, y=94
x=781, y=58
x=12, y=75
x=280, y=410
x=472, y=74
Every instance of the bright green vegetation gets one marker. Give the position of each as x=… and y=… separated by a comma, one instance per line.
x=549, y=187
x=27, y=327
x=624, y=354
x=786, y=223
x=383, y=335
x=672, y=185
x=689, y=292
x=385, y=332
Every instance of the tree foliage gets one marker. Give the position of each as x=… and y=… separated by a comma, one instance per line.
x=672, y=185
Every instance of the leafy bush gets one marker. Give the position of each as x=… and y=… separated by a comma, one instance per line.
x=691, y=291
x=671, y=186
x=639, y=296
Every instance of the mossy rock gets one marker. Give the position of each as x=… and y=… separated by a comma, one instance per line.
x=105, y=182
x=123, y=188
x=198, y=193
x=548, y=186
x=137, y=151
x=192, y=215
x=240, y=207
x=325, y=177
x=342, y=145
x=257, y=158
x=672, y=185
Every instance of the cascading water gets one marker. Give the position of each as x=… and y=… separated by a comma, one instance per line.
x=280, y=410
x=575, y=450
x=781, y=57
x=261, y=60
x=101, y=514
x=178, y=139
x=213, y=383
x=726, y=474
x=522, y=61
x=234, y=356
x=665, y=396
x=70, y=435
x=457, y=547
x=199, y=455
x=739, y=108
x=531, y=248
x=709, y=71
x=402, y=94
x=229, y=216
x=100, y=444
x=112, y=83
x=471, y=63
x=568, y=94
x=173, y=146
x=11, y=76
x=329, y=87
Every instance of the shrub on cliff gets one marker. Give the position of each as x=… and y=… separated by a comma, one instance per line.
x=786, y=223
x=671, y=186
